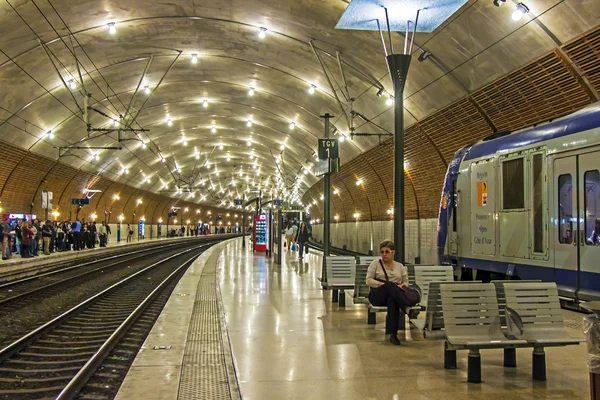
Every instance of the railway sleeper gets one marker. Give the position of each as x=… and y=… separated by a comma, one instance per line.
x=29, y=391
x=36, y=347
x=57, y=355
x=25, y=381
x=37, y=371
x=80, y=362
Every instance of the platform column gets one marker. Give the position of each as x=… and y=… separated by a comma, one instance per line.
x=398, y=65
x=326, y=207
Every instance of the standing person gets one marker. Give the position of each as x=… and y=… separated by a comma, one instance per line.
x=301, y=238
x=93, y=234
x=60, y=238
x=4, y=238
x=129, y=234
x=594, y=239
x=37, y=236
x=108, y=233
x=77, y=237
x=26, y=240
x=18, y=235
x=289, y=236
x=294, y=231
x=53, y=246
x=102, y=233
x=387, y=279
x=47, y=236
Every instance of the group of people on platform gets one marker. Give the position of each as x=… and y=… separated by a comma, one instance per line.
x=297, y=235
x=28, y=238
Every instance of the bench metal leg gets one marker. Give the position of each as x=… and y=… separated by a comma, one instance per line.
x=449, y=357
x=510, y=358
x=372, y=318
x=342, y=298
x=474, y=366
x=334, y=295
x=538, y=367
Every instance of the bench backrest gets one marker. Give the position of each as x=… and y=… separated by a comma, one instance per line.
x=536, y=302
x=341, y=270
x=361, y=289
x=499, y=284
x=367, y=260
x=470, y=312
x=424, y=275
x=434, y=318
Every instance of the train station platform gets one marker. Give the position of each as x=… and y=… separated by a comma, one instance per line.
x=17, y=264
x=239, y=326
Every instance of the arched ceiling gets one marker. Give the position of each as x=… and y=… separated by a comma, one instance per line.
x=191, y=118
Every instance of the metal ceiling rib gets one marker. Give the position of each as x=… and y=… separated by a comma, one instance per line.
x=542, y=90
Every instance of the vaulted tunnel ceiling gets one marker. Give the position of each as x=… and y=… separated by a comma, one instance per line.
x=46, y=44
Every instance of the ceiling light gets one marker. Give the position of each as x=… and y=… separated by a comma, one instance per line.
x=292, y=125
x=498, y=3
x=322, y=197
x=207, y=164
x=72, y=84
x=170, y=122
x=521, y=10
x=262, y=33
x=143, y=144
x=220, y=146
x=228, y=158
x=248, y=143
x=251, y=91
x=147, y=89
x=282, y=147
x=380, y=92
x=305, y=172
x=95, y=156
x=116, y=122
x=184, y=142
x=50, y=135
x=205, y=103
x=356, y=215
x=336, y=217
x=249, y=123
x=112, y=29
x=359, y=182
x=389, y=101
x=335, y=191
x=312, y=89
x=213, y=129
x=194, y=58
x=125, y=171
x=342, y=138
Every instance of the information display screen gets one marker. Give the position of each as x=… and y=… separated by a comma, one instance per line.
x=261, y=232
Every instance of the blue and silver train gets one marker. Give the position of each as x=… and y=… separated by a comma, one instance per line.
x=526, y=205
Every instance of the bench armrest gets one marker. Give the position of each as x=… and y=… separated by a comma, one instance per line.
x=514, y=324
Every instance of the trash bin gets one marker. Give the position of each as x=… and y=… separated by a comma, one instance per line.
x=591, y=329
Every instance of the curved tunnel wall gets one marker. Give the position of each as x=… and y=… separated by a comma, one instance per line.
x=547, y=88
x=24, y=175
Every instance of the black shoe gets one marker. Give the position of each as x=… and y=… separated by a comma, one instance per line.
x=394, y=340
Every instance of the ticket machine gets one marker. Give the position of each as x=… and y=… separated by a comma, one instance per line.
x=261, y=232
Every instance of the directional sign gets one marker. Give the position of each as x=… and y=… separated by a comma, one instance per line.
x=238, y=202
x=80, y=202
x=277, y=202
x=328, y=148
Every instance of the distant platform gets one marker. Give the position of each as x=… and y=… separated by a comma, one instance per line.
x=240, y=326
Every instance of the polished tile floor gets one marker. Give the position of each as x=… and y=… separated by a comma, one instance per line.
x=290, y=341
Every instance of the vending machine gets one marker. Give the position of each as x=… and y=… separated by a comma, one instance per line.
x=261, y=232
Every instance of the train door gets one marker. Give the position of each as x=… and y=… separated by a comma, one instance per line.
x=566, y=251
x=589, y=222
x=577, y=240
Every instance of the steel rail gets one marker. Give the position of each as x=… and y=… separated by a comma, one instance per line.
x=80, y=379
x=27, y=339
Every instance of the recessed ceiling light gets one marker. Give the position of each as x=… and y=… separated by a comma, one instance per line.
x=389, y=101
x=262, y=33
x=147, y=89
x=112, y=29
x=50, y=135
x=251, y=91
x=312, y=89
x=249, y=123
x=194, y=58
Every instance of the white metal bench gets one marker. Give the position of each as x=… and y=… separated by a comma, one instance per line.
x=534, y=315
x=341, y=272
x=472, y=322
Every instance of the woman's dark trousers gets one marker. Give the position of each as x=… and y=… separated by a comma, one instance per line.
x=393, y=297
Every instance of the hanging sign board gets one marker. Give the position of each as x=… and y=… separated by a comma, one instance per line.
x=238, y=202
x=46, y=200
x=80, y=202
x=323, y=167
x=328, y=148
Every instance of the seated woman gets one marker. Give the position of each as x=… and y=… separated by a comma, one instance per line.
x=386, y=278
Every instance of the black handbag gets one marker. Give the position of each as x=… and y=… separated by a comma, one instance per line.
x=412, y=293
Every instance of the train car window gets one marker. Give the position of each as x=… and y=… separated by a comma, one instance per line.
x=513, y=182
x=565, y=209
x=592, y=207
x=538, y=204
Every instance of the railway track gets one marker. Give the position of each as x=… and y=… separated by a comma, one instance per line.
x=60, y=357
x=46, y=284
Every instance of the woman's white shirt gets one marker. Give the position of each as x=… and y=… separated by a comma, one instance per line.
x=397, y=274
